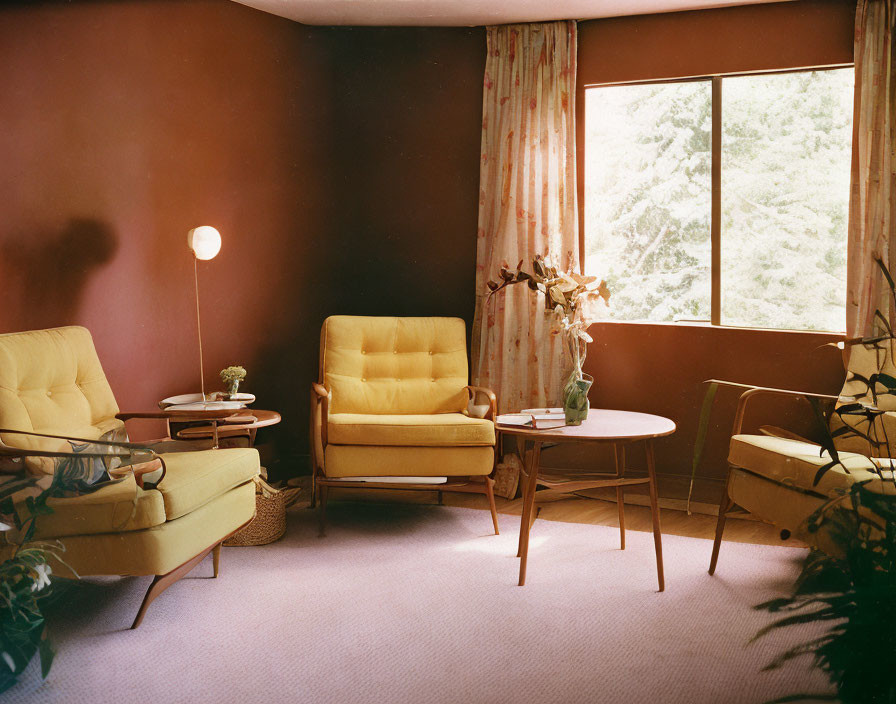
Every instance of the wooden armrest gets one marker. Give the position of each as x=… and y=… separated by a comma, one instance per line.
x=140, y=469
x=489, y=394
x=776, y=432
x=770, y=389
x=320, y=409
x=184, y=416
x=752, y=391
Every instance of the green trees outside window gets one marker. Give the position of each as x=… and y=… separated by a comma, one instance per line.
x=784, y=158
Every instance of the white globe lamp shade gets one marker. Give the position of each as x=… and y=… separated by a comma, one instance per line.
x=205, y=241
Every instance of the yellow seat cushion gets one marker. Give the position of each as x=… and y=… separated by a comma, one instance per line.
x=385, y=461
x=192, y=479
x=794, y=463
x=160, y=549
x=122, y=506
x=440, y=430
x=785, y=507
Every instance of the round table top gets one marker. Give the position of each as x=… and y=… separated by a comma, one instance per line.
x=601, y=425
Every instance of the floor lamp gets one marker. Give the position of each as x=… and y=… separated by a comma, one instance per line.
x=205, y=243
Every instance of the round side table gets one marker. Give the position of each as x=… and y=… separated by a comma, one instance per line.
x=617, y=428
x=244, y=424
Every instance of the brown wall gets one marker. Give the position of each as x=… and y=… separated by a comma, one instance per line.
x=660, y=368
x=407, y=115
x=340, y=166
x=763, y=37
x=124, y=125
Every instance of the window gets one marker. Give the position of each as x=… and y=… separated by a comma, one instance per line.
x=764, y=243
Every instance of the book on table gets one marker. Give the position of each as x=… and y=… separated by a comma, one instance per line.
x=537, y=418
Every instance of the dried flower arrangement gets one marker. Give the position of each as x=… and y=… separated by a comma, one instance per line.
x=572, y=299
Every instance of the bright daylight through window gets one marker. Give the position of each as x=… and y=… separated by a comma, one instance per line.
x=785, y=161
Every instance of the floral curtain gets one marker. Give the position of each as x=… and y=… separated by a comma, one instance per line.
x=527, y=206
x=871, y=206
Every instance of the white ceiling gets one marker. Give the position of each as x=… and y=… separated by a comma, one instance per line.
x=465, y=13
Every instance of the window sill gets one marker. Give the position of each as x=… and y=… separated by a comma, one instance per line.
x=706, y=325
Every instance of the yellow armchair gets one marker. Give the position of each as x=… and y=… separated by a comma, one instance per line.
x=392, y=401
x=52, y=387
x=776, y=475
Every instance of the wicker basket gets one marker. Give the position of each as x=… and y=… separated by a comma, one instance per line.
x=269, y=523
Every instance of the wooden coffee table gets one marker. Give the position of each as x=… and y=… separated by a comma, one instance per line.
x=617, y=428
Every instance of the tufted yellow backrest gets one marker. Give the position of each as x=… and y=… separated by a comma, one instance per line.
x=51, y=382
x=380, y=365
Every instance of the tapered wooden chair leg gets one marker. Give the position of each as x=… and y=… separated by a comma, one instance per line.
x=162, y=581
x=314, y=490
x=323, y=510
x=148, y=598
x=216, y=558
x=490, y=492
x=725, y=504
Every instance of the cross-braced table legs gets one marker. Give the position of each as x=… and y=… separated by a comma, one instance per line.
x=531, y=482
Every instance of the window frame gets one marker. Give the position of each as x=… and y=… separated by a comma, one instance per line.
x=715, y=233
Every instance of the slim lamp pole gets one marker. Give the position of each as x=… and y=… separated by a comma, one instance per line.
x=205, y=243
x=199, y=325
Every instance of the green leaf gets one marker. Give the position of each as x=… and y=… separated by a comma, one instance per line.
x=847, y=408
x=887, y=380
x=45, y=649
x=842, y=430
x=822, y=471
x=886, y=323
x=827, y=442
x=886, y=273
x=702, y=429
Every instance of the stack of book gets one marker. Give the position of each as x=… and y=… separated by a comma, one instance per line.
x=537, y=418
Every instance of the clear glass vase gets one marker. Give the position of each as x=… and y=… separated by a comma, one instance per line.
x=575, y=398
x=575, y=393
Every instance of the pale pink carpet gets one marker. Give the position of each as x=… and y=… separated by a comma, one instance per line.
x=406, y=604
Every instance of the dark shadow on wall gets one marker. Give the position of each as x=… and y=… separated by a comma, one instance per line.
x=290, y=362
x=45, y=274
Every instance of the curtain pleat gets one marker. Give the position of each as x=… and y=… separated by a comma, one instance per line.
x=527, y=206
x=873, y=182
